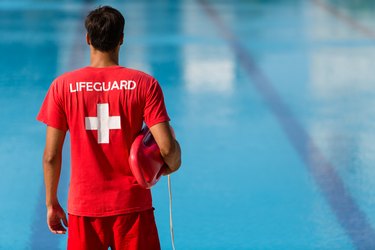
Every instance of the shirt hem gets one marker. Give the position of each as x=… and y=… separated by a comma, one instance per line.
x=160, y=120
x=51, y=124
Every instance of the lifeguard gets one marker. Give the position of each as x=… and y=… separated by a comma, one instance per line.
x=104, y=106
x=102, y=86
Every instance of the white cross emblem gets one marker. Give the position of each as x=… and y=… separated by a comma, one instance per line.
x=103, y=123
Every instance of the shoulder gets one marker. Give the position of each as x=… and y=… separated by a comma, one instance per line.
x=144, y=81
x=60, y=80
x=140, y=74
x=69, y=75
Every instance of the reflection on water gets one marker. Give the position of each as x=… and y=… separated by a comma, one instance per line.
x=208, y=66
x=343, y=90
x=207, y=69
x=342, y=71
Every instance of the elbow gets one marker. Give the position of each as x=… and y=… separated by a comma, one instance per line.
x=178, y=164
x=49, y=158
x=168, y=150
x=172, y=156
x=165, y=153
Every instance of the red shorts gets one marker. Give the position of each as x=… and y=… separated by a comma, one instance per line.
x=120, y=232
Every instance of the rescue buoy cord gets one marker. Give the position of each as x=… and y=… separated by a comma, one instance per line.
x=170, y=211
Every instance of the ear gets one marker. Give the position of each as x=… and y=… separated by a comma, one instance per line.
x=122, y=39
x=88, y=39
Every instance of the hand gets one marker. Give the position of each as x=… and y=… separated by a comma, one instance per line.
x=55, y=214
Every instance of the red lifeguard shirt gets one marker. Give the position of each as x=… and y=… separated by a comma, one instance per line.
x=103, y=109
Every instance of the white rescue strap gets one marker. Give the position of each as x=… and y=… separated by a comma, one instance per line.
x=170, y=211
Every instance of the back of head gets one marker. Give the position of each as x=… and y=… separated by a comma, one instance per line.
x=105, y=28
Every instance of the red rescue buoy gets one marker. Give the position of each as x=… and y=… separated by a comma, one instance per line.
x=145, y=160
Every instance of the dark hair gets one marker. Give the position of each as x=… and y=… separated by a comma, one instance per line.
x=105, y=27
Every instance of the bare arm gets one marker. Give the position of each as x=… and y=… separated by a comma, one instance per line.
x=169, y=148
x=52, y=167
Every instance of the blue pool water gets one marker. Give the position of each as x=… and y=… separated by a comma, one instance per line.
x=270, y=100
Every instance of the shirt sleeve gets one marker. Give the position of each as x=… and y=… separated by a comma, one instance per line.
x=52, y=111
x=155, y=110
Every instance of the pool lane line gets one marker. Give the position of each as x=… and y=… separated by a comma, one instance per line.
x=348, y=214
x=350, y=21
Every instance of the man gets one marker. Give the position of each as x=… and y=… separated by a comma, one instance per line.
x=104, y=106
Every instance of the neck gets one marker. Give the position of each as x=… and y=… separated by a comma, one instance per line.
x=100, y=59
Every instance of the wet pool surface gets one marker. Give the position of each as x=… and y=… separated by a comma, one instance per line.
x=270, y=100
